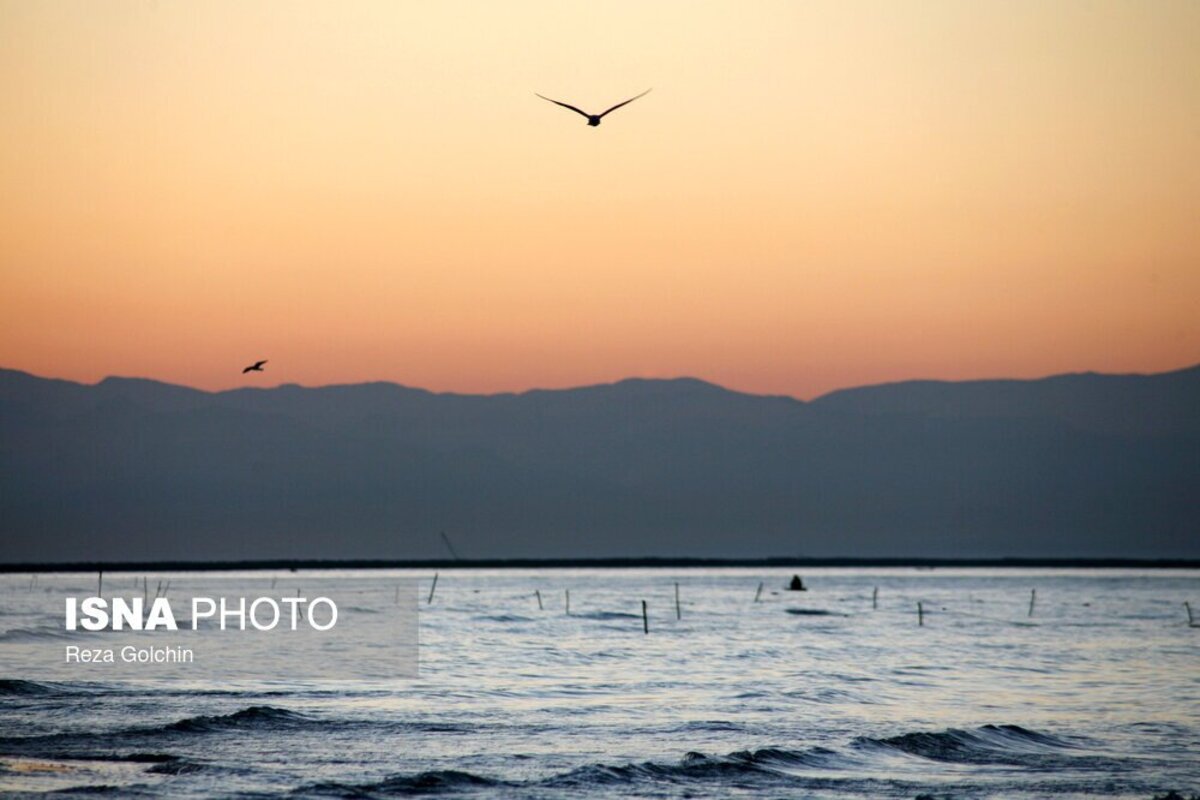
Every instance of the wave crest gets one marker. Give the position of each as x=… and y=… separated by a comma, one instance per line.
x=254, y=717
x=15, y=687
x=989, y=744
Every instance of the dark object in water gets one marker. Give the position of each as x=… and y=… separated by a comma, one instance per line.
x=797, y=585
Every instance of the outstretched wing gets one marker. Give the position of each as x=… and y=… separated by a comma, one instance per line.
x=260, y=363
x=625, y=103
x=247, y=369
x=565, y=105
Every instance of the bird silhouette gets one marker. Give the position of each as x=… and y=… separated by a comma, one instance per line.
x=594, y=119
x=255, y=367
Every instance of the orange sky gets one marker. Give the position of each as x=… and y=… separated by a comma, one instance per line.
x=815, y=194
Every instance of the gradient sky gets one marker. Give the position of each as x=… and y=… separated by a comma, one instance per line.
x=815, y=194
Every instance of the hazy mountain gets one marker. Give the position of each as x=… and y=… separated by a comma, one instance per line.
x=1133, y=404
x=1074, y=465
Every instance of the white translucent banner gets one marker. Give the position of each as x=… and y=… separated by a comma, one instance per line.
x=206, y=626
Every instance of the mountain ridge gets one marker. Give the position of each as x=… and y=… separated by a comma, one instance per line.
x=1192, y=370
x=1065, y=466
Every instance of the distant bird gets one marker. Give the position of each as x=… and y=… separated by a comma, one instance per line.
x=594, y=119
x=255, y=367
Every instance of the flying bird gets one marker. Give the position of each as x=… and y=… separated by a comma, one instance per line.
x=594, y=119
x=255, y=367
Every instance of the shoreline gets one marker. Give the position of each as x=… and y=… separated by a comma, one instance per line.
x=596, y=563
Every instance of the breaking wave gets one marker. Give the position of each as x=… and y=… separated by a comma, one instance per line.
x=765, y=768
x=254, y=718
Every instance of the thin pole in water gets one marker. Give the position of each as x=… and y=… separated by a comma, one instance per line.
x=397, y=595
x=450, y=547
x=645, y=619
x=1032, y=600
x=875, y=597
x=758, y=594
x=1188, y=606
x=100, y=583
x=568, y=593
x=920, y=614
x=678, y=611
x=538, y=594
x=432, y=589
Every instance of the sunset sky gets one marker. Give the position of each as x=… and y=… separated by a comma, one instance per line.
x=814, y=195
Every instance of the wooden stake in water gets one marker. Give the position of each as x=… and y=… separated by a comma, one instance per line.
x=450, y=547
x=758, y=594
x=100, y=583
x=875, y=597
x=1032, y=600
x=273, y=579
x=645, y=619
x=678, y=611
x=538, y=593
x=920, y=614
x=568, y=593
x=1188, y=606
x=158, y=590
x=432, y=589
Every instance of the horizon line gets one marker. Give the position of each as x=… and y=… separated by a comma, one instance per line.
x=603, y=562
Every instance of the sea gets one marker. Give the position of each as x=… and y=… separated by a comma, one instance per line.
x=873, y=683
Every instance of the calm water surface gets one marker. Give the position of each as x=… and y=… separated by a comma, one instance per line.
x=813, y=694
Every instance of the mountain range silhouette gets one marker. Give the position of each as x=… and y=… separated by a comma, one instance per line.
x=1081, y=465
